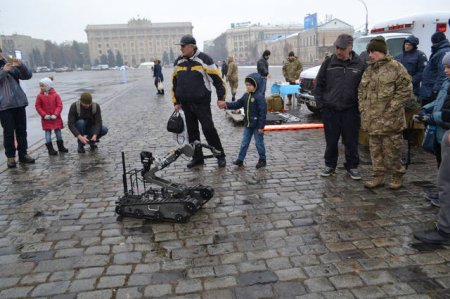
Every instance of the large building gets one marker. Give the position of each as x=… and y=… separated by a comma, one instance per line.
x=24, y=43
x=138, y=41
x=310, y=45
x=241, y=41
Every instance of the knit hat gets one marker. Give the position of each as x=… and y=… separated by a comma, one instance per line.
x=250, y=80
x=446, y=59
x=86, y=98
x=291, y=54
x=343, y=41
x=47, y=82
x=437, y=37
x=377, y=44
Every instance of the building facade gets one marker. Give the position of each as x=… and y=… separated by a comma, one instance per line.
x=241, y=42
x=138, y=41
x=24, y=43
x=309, y=45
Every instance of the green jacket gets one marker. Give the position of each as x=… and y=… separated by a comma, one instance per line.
x=292, y=70
x=384, y=89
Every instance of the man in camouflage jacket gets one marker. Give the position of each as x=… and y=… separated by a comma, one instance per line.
x=291, y=71
x=383, y=91
x=232, y=77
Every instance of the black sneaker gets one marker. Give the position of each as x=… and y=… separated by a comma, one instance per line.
x=328, y=171
x=261, y=163
x=238, y=162
x=81, y=149
x=27, y=159
x=354, y=174
x=195, y=162
x=221, y=162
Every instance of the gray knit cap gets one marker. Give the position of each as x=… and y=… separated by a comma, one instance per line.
x=446, y=59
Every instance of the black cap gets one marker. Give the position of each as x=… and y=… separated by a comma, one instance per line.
x=437, y=37
x=187, y=40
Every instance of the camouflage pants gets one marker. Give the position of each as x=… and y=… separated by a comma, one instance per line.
x=386, y=152
x=233, y=87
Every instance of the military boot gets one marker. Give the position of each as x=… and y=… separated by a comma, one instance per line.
x=197, y=158
x=289, y=103
x=376, y=181
x=395, y=182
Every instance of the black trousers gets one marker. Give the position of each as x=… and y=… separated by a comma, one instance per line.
x=201, y=113
x=14, y=122
x=345, y=123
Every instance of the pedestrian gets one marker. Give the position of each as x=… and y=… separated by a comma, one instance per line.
x=336, y=93
x=262, y=67
x=255, y=111
x=384, y=89
x=192, y=76
x=158, y=75
x=224, y=69
x=291, y=72
x=441, y=233
x=233, y=79
x=433, y=74
x=431, y=114
x=13, y=102
x=49, y=106
x=85, y=122
x=413, y=60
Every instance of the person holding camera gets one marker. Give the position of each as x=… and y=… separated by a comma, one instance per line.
x=85, y=122
x=13, y=102
x=432, y=114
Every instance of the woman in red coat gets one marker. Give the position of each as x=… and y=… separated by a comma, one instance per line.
x=49, y=107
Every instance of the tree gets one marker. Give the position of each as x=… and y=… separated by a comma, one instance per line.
x=119, y=59
x=103, y=59
x=171, y=56
x=165, y=58
x=111, y=58
x=96, y=62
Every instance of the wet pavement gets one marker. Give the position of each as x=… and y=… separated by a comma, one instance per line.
x=279, y=232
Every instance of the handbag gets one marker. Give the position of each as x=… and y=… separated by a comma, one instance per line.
x=175, y=123
x=160, y=85
x=429, y=140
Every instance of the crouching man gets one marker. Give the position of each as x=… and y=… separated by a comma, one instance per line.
x=85, y=122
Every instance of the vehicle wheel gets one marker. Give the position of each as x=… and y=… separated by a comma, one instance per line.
x=180, y=219
x=119, y=210
x=206, y=193
x=313, y=109
x=190, y=207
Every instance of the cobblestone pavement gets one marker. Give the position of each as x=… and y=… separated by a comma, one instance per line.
x=279, y=232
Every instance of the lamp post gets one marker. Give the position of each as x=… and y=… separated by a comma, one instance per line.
x=366, y=30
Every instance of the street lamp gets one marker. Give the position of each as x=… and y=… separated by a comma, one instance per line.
x=366, y=31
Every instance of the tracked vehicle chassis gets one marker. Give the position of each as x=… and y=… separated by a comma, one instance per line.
x=171, y=201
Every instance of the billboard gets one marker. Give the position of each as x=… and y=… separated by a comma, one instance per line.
x=310, y=21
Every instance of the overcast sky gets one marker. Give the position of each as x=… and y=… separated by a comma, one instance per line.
x=62, y=20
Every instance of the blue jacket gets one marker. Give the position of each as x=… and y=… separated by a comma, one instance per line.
x=11, y=94
x=435, y=108
x=414, y=61
x=433, y=75
x=254, y=104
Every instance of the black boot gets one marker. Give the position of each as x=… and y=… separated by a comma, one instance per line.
x=162, y=91
x=61, y=148
x=51, y=150
x=197, y=158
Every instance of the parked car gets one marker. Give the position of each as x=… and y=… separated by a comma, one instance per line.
x=42, y=69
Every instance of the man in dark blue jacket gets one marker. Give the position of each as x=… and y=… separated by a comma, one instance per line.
x=336, y=93
x=413, y=60
x=433, y=75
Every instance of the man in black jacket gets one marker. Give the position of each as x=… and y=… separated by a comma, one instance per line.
x=262, y=67
x=191, y=90
x=336, y=94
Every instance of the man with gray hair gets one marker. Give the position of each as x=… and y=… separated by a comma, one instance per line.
x=336, y=94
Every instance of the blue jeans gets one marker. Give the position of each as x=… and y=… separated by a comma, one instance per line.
x=14, y=122
x=259, y=142
x=82, y=127
x=48, y=135
x=263, y=85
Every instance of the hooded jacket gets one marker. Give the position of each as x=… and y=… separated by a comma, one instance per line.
x=11, y=94
x=49, y=104
x=433, y=75
x=254, y=104
x=414, y=61
x=192, y=78
x=337, y=82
